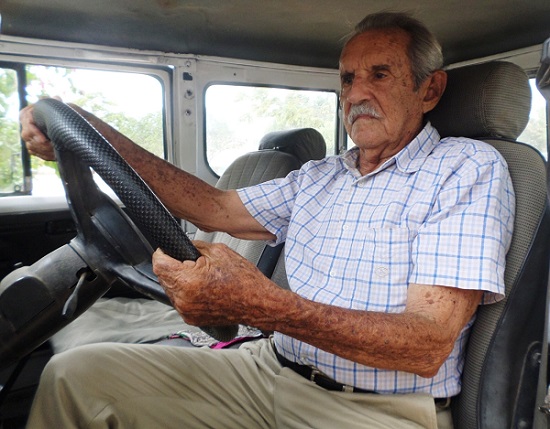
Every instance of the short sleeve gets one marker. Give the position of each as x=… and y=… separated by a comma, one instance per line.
x=464, y=241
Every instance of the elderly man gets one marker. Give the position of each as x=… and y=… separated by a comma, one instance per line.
x=390, y=248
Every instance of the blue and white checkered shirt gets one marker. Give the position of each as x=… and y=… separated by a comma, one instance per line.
x=440, y=212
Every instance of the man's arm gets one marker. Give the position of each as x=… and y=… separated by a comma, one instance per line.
x=224, y=288
x=185, y=195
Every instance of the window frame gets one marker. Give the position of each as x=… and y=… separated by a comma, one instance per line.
x=21, y=74
x=28, y=53
x=209, y=71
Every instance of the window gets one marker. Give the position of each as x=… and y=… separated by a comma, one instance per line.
x=12, y=177
x=535, y=133
x=237, y=117
x=130, y=102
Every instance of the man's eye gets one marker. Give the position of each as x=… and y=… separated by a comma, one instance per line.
x=380, y=75
x=346, y=79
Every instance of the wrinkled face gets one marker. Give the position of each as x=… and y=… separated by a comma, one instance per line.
x=382, y=109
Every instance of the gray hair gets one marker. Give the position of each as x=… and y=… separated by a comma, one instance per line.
x=424, y=50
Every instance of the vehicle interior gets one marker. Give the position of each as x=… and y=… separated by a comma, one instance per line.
x=237, y=93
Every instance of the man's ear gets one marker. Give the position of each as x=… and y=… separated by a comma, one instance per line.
x=433, y=87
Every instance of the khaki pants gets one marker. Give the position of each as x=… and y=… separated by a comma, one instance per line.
x=151, y=386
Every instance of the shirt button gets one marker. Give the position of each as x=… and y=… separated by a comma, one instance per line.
x=381, y=271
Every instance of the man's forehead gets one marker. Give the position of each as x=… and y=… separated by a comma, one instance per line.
x=368, y=65
x=375, y=49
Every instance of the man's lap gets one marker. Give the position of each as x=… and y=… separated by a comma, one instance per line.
x=140, y=385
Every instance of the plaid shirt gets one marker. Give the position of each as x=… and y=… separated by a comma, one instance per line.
x=440, y=212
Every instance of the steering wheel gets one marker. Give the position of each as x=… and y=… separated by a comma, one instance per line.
x=110, y=246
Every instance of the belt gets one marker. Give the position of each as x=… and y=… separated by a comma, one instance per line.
x=328, y=383
x=317, y=376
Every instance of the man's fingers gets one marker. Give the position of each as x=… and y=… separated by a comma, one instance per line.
x=162, y=262
x=35, y=141
x=164, y=265
x=202, y=246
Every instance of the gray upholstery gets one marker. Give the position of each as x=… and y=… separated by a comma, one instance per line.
x=257, y=167
x=491, y=102
x=303, y=143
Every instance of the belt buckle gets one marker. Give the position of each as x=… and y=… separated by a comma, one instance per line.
x=343, y=387
x=314, y=373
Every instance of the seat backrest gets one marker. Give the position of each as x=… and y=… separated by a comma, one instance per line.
x=280, y=153
x=491, y=102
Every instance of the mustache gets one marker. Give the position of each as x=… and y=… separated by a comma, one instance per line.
x=361, y=109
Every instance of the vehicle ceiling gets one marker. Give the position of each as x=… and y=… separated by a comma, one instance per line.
x=306, y=33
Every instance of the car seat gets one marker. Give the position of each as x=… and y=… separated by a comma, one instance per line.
x=491, y=102
x=279, y=153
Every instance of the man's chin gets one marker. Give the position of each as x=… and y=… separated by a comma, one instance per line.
x=363, y=124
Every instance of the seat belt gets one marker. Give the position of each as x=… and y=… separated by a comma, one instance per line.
x=269, y=258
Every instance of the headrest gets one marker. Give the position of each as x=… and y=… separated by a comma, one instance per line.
x=484, y=100
x=304, y=143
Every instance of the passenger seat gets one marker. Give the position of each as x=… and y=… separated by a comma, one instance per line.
x=280, y=153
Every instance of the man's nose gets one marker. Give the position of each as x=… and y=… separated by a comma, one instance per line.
x=358, y=91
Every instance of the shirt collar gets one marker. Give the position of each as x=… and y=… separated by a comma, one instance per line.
x=408, y=160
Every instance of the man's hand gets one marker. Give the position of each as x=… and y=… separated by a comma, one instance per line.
x=37, y=143
x=220, y=288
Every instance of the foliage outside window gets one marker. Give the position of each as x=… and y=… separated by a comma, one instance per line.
x=11, y=167
x=237, y=117
x=130, y=102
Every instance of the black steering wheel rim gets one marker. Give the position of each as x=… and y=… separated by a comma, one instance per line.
x=70, y=132
x=78, y=146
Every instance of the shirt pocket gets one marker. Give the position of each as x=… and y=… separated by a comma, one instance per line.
x=388, y=267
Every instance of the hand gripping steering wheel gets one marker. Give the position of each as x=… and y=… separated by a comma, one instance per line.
x=110, y=246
